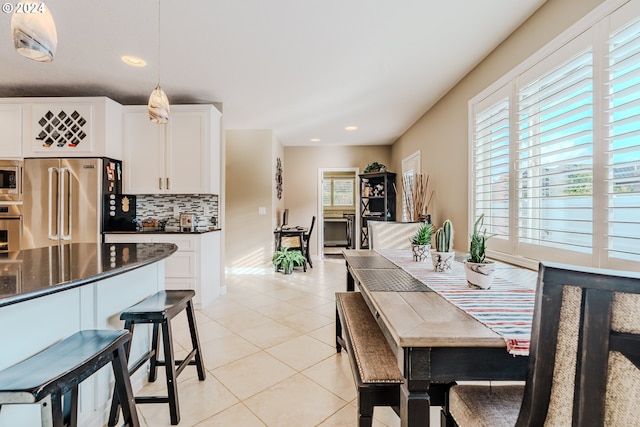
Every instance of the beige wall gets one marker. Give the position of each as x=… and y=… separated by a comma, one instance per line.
x=301, y=176
x=441, y=134
x=250, y=184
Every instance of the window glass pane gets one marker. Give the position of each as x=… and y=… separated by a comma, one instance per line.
x=555, y=157
x=343, y=192
x=326, y=192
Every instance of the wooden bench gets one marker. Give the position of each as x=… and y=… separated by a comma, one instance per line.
x=374, y=366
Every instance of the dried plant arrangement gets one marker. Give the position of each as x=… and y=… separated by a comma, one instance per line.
x=417, y=197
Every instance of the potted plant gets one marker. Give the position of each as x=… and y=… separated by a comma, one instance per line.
x=443, y=255
x=479, y=271
x=375, y=167
x=421, y=242
x=286, y=259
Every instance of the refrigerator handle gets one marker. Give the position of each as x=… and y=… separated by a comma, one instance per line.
x=67, y=202
x=50, y=207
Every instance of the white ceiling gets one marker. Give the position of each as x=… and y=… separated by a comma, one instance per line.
x=305, y=69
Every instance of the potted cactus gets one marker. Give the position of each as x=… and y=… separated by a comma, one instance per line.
x=478, y=270
x=421, y=242
x=443, y=255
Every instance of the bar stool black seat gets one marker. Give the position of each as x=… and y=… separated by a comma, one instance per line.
x=158, y=310
x=57, y=370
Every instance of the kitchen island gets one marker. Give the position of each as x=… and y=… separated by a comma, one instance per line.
x=47, y=294
x=196, y=265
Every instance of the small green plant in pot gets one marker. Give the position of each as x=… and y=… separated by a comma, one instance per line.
x=375, y=167
x=478, y=270
x=286, y=259
x=443, y=255
x=421, y=242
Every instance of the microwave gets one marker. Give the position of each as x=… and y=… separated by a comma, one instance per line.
x=10, y=180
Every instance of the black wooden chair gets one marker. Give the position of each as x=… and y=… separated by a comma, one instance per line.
x=51, y=377
x=158, y=310
x=307, y=237
x=584, y=363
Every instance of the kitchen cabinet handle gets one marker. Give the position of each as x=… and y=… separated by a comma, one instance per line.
x=66, y=203
x=50, y=206
x=167, y=183
x=159, y=183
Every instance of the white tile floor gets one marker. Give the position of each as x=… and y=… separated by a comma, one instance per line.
x=269, y=350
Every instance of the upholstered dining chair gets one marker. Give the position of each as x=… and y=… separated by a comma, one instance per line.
x=391, y=235
x=584, y=362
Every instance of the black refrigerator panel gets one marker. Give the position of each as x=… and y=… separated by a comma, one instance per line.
x=119, y=212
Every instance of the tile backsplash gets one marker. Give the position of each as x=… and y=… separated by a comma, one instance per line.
x=161, y=206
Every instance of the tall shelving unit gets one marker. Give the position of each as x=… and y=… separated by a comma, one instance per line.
x=377, y=201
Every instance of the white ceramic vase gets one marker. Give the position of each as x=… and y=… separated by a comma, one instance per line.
x=420, y=252
x=442, y=261
x=479, y=275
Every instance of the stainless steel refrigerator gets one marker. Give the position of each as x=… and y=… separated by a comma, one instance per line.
x=63, y=199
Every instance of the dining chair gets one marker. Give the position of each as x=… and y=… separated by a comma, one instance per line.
x=307, y=237
x=391, y=235
x=584, y=362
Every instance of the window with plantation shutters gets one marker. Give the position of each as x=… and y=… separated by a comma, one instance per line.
x=555, y=158
x=623, y=144
x=491, y=166
x=562, y=132
x=410, y=168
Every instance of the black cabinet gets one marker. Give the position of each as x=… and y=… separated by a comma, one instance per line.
x=377, y=201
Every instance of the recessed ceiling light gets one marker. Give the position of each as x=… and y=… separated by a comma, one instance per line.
x=133, y=61
x=350, y=128
x=315, y=140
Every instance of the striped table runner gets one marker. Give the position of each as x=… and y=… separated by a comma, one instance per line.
x=506, y=308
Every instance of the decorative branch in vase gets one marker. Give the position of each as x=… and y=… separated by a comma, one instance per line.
x=417, y=196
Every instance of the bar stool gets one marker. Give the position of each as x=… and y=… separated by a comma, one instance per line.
x=56, y=371
x=158, y=310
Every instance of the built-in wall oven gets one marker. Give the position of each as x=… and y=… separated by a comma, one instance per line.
x=11, y=180
x=10, y=227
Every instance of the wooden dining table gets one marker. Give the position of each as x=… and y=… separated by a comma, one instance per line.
x=435, y=342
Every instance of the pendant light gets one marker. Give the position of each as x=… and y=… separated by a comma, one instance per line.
x=34, y=31
x=158, y=102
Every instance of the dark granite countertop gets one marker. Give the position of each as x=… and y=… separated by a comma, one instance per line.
x=161, y=232
x=34, y=273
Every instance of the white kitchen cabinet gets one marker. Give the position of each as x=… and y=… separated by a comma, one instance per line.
x=195, y=265
x=10, y=131
x=72, y=127
x=60, y=127
x=181, y=157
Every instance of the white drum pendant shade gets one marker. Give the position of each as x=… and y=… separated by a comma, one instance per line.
x=158, y=106
x=34, y=34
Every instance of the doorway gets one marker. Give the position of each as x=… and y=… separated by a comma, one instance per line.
x=338, y=190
